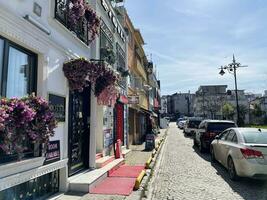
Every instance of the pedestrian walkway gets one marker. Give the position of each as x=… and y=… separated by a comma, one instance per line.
x=137, y=157
x=119, y=182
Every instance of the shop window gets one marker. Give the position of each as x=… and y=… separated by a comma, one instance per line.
x=18, y=74
x=38, y=188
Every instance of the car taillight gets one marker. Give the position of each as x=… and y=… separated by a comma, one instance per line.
x=209, y=135
x=251, y=153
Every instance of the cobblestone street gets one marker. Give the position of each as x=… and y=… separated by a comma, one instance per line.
x=183, y=173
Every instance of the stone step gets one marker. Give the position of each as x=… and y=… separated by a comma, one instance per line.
x=98, y=155
x=87, y=180
x=103, y=161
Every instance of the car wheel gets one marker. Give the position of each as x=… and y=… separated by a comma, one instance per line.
x=195, y=142
x=212, y=155
x=231, y=169
x=201, y=148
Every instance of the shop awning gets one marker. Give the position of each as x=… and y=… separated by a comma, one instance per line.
x=123, y=99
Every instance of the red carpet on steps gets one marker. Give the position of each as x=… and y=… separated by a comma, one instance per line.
x=119, y=182
x=115, y=186
x=127, y=171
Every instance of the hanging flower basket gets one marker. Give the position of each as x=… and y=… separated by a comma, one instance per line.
x=23, y=121
x=108, y=96
x=80, y=73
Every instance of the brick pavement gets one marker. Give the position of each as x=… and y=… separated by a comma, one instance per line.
x=183, y=173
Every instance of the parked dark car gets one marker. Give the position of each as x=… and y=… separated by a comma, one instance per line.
x=191, y=126
x=207, y=131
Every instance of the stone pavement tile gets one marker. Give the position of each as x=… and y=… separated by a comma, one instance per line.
x=138, y=155
x=102, y=197
x=71, y=196
x=184, y=173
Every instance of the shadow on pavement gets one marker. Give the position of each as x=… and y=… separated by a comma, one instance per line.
x=247, y=188
x=205, y=155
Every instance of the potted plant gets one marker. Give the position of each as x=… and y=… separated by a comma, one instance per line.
x=25, y=121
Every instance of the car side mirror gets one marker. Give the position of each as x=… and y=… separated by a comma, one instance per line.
x=217, y=137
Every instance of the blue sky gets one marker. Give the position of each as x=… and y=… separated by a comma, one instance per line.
x=190, y=39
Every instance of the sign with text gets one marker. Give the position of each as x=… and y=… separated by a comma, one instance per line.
x=52, y=152
x=57, y=105
x=133, y=99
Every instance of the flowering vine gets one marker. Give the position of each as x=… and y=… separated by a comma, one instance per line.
x=22, y=121
x=78, y=11
x=108, y=96
x=80, y=73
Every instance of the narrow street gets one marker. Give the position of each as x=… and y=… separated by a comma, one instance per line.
x=184, y=173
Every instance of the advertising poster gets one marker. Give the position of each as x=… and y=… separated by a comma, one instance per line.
x=108, y=130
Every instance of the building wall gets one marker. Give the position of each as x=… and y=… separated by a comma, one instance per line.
x=53, y=50
x=209, y=101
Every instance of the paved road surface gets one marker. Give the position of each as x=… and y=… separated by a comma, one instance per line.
x=184, y=173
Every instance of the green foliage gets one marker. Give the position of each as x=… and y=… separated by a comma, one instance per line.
x=228, y=111
x=257, y=111
x=243, y=110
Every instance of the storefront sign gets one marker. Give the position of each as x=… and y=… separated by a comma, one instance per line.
x=57, y=105
x=113, y=20
x=133, y=99
x=52, y=152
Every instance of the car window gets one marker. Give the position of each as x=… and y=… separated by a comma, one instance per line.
x=234, y=139
x=224, y=135
x=193, y=124
x=202, y=125
x=230, y=136
x=219, y=126
x=255, y=136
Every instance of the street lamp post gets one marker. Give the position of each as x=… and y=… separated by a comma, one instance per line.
x=231, y=68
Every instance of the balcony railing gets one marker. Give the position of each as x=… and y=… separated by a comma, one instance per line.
x=62, y=14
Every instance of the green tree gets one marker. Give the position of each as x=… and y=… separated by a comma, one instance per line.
x=257, y=110
x=228, y=111
x=243, y=110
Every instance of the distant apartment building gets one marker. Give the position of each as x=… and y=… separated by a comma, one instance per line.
x=164, y=105
x=177, y=105
x=209, y=100
x=252, y=96
x=243, y=102
x=258, y=110
x=182, y=104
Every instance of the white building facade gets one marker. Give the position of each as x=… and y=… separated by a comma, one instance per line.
x=33, y=34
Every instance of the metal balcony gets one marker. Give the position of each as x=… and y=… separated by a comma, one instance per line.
x=62, y=14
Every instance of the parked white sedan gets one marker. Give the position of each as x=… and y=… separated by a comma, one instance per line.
x=243, y=151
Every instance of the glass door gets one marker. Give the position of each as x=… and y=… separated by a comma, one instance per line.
x=79, y=131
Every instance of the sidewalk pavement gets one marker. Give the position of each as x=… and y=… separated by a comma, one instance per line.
x=137, y=156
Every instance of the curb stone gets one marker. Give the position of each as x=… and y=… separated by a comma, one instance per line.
x=149, y=172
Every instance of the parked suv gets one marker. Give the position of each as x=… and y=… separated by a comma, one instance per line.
x=191, y=125
x=207, y=131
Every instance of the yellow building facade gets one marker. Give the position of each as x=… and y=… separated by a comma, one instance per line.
x=138, y=84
